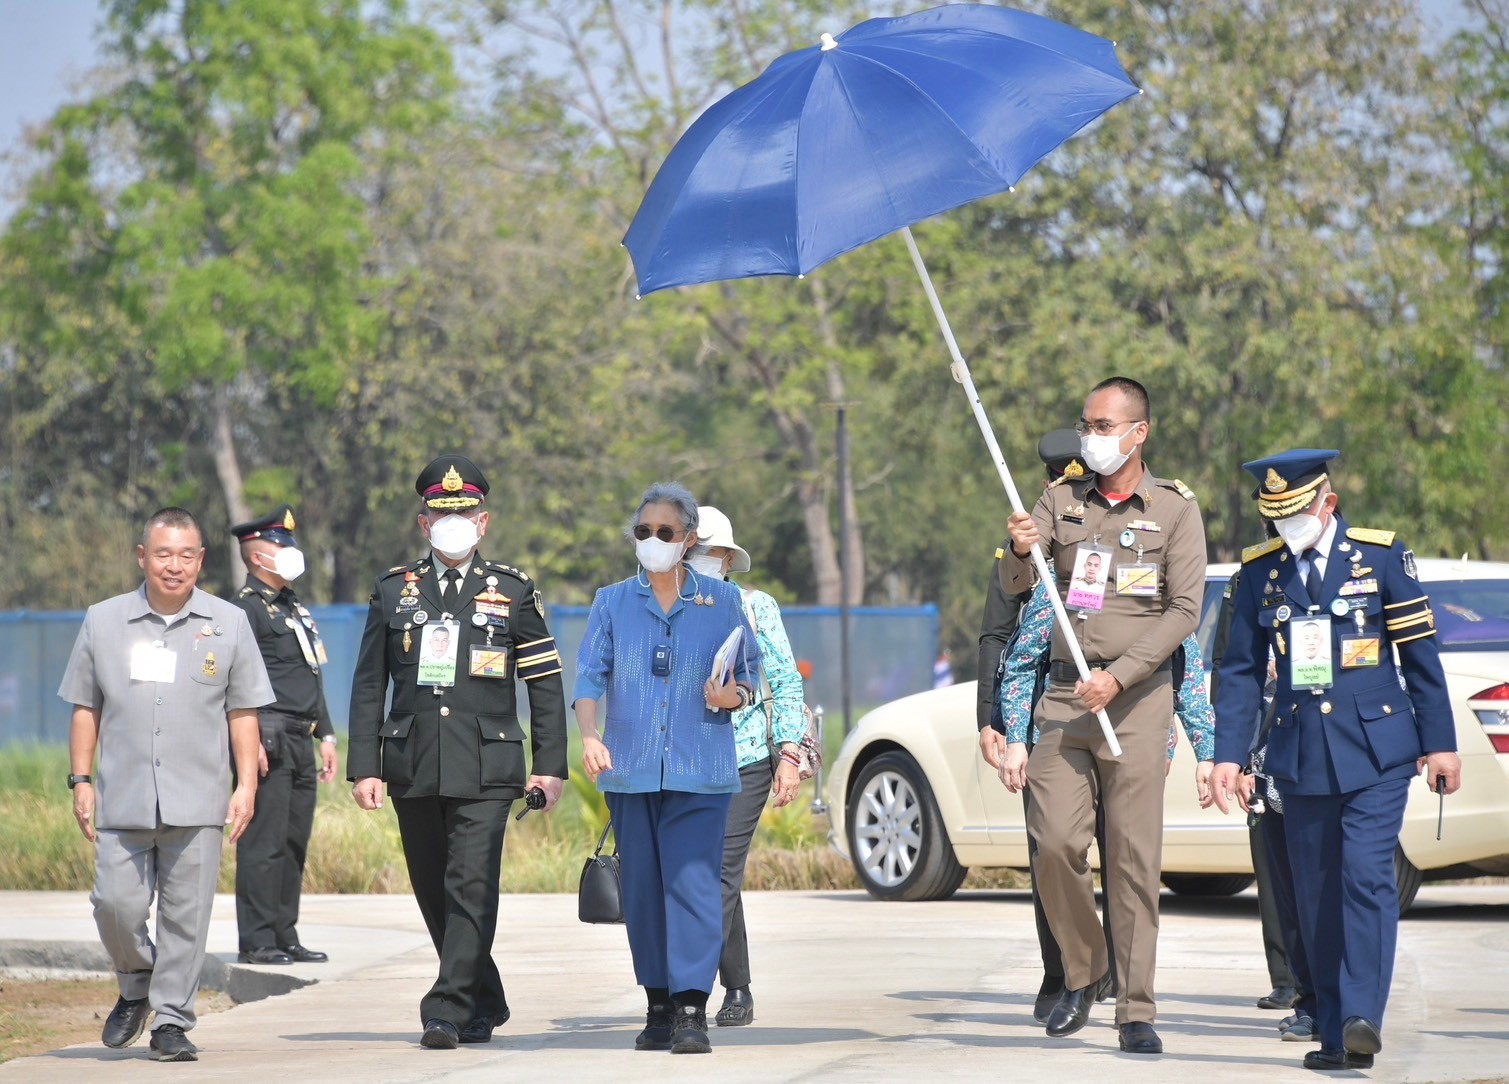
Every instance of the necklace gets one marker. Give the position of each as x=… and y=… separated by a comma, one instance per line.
x=696, y=598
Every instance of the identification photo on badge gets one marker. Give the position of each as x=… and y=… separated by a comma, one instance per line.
x=1087, y=586
x=1310, y=664
x=437, y=653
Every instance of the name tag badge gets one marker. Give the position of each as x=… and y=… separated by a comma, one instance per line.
x=1087, y=586
x=153, y=662
x=489, y=662
x=1310, y=661
x=1358, y=587
x=1139, y=581
x=1358, y=651
x=305, y=645
x=319, y=651
x=437, y=653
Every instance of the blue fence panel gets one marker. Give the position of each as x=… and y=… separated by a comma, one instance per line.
x=891, y=652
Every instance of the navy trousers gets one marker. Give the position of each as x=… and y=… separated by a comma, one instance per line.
x=670, y=849
x=1343, y=865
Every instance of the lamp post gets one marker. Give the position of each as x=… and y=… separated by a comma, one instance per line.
x=843, y=565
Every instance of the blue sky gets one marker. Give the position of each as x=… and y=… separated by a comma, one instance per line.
x=47, y=45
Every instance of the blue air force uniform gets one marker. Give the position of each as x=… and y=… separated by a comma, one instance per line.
x=1348, y=729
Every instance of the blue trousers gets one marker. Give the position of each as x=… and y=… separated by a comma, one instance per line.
x=1342, y=858
x=670, y=847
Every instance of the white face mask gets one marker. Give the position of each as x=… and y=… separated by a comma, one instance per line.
x=705, y=564
x=454, y=536
x=658, y=556
x=1103, y=455
x=1299, y=532
x=288, y=563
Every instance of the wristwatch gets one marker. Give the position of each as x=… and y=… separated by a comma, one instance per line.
x=74, y=780
x=328, y=739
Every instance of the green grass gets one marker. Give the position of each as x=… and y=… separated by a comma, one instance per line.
x=355, y=851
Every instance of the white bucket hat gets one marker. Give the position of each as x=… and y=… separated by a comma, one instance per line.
x=714, y=529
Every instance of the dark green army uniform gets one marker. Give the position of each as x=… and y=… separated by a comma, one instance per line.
x=453, y=754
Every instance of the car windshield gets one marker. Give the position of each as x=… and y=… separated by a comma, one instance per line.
x=1471, y=615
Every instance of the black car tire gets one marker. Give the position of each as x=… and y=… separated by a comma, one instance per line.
x=897, y=842
x=1407, y=878
x=1207, y=884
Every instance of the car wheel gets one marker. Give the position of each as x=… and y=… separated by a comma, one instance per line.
x=1201, y=884
x=896, y=836
x=1407, y=878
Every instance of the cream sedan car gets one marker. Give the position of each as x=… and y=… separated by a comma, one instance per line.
x=913, y=805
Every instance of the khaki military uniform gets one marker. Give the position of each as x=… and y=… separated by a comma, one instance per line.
x=1154, y=571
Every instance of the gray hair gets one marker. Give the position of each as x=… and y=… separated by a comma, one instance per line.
x=674, y=494
x=173, y=518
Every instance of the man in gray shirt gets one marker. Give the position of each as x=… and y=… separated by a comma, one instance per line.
x=165, y=682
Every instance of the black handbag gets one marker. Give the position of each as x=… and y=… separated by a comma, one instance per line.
x=599, y=896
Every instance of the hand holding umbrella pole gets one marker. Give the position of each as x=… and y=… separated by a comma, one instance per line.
x=960, y=370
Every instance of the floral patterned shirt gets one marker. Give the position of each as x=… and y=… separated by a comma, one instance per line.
x=789, y=723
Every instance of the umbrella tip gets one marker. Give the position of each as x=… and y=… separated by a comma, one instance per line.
x=828, y=41
x=1011, y=188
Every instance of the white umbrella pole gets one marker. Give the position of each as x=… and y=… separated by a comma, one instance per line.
x=960, y=370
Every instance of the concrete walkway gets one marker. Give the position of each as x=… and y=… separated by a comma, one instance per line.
x=846, y=989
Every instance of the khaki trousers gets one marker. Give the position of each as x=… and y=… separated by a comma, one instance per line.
x=1070, y=770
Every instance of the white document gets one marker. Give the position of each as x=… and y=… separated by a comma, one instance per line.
x=723, y=661
x=153, y=662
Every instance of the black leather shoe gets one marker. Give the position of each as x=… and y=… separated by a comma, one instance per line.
x=657, y=1029
x=1280, y=997
x=1359, y=1035
x=301, y=955
x=1328, y=1061
x=1047, y=996
x=1138, y=1037
x=439, y=1035
x=1073, y=1009
x=265, y=954
x=169, y=1043
x=125, y=1023
x=689, y=1031
x=737, y=1010
x=480, y=1030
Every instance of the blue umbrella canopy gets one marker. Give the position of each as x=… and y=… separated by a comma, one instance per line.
x=841, y=143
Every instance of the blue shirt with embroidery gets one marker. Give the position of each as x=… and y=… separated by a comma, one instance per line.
x=788, y=723
x=658, y=729
x=1034, y=638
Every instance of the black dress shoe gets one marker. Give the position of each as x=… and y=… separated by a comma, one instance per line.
x=301, y=955
x=1280, y=997
x=689, y=1031
x=737, y=1010
x=1359, y=1035
x=439, y=1035
x=1073, y=1009
x=480, y=1030
x=265, y=954
x=125, y=1023
x=657, y=1029
x=1333, y=1060
x=169, y=1043
x=1047, y=996
x=1138, y=1037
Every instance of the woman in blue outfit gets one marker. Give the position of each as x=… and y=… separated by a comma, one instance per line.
x=665, y=757
x=776, y=716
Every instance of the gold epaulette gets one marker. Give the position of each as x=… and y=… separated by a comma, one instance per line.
x=1252, y=553
x=1060, y=480
x=245, y=591
x=398, y=568
x=1184, y=490
x=1367, y=534
x=499, y=565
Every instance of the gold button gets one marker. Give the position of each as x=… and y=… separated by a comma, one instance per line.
x=445, y=711
x=1325, y=708
x=1387, y=710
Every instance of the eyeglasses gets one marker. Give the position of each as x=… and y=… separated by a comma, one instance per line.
x=1101, y=428
x=643, y=531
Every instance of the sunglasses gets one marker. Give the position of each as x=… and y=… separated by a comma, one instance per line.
x=643, y=531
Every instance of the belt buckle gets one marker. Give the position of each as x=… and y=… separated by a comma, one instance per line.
x=311, y=727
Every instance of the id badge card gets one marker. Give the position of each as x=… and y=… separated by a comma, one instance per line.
x=153, y=662
x=488, y=662
x=319, y=650
x=437, y=653
x=1087, y=586
x=1310, y=658
x=304, y=645
x=1137, y=581
x=1358, y=651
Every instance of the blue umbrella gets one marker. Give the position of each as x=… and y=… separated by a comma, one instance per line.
x=841, y=143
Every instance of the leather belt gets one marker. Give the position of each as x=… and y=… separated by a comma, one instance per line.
x=299, y=724
x=1065, y=672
